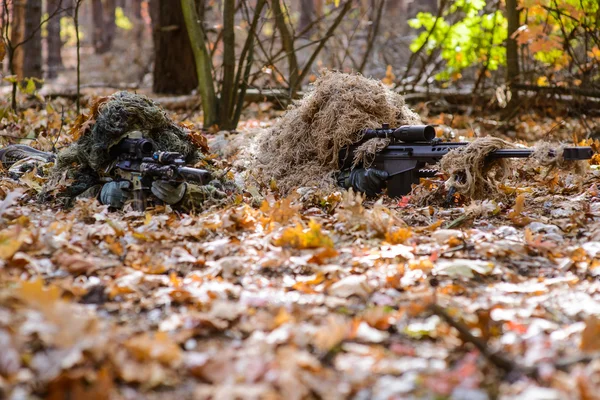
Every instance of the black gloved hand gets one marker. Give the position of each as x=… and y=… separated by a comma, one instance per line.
x=167, y=192
x=115, y=194
x=368, y=181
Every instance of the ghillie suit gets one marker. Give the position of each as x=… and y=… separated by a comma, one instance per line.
x=78, y=167
x=302, y=148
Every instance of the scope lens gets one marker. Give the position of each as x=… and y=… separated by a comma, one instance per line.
x=429, y=132
x=147, y=147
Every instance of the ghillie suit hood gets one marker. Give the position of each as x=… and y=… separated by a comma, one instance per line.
x=302, y=148
x=113, y=119
x=110, y=120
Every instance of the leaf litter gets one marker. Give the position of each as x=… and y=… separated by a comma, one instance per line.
x=313, y=295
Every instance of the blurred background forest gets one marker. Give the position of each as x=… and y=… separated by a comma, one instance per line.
x=505, y=55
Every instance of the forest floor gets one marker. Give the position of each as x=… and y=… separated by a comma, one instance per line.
x=310, y=296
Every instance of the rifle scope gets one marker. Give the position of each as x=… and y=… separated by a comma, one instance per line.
x=405, y=133
x=137, y=147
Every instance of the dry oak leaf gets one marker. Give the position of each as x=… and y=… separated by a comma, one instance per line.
x=516, y=215
x=11, y=240
x=590, y=337
x=156, y=347
x=76, y=264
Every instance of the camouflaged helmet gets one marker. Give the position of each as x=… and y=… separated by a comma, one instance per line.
x=115, y=118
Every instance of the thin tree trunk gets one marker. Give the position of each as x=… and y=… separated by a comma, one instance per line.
x=54, y=61
x=99, y=32
x=32, y=49
x=109, y=22
x=512, y=51
x=307, y=15
x=174, y=64
x=17, y=36
x=76, y=18
x=203, y=62
x=135, y=9
x=226, y=101
x=287, y=42
x=377, y=12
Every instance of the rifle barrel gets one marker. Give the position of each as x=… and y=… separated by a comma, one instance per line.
x=200, y=176
x=569, y=153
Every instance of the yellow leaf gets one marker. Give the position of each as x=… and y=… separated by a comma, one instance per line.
x=542, y=81
x=300, y=238
x=398, y=236
x=10, y=242
x=34, y=293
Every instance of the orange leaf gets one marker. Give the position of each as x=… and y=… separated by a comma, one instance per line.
x=516, y=214
x=590, y=337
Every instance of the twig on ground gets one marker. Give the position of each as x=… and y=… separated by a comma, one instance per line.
x=498, y=360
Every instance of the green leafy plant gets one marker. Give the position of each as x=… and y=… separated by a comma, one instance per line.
x=465, y=34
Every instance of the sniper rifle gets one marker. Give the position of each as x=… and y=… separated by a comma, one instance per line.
x=138, y=162
x=413, y=147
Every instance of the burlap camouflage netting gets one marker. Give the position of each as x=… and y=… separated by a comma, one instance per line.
x=302, y=148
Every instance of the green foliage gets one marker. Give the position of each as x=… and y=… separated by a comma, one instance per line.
x=121, y=20
x=29, y=85
x=556, y=30
x=475, y=39
x=552, y=34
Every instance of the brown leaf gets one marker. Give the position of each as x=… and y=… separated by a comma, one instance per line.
x=10, y=241
x=590, y=337
x=159, y=347
x=76, y=264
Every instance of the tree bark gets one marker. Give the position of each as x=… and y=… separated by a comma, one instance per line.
x=135, y=9
x=512, y=51
x=109, y=22
x=287, y=43
x=203, y=62
x=227, y=96
x=307, y=15
x=17, y=36
x=99, y=32
x=174, y=64
x=54, y=60
x=32, y=48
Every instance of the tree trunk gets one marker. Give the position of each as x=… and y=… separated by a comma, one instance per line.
x=287, y=43
x=109, y=22
x=32, y=48
x=307, y=15
x=99, y=28
x=134, y=9
x=227, y=95
x=54, y=60
x=203, y=62
x=17, y=36
x=174, y=64
x=512, y=51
